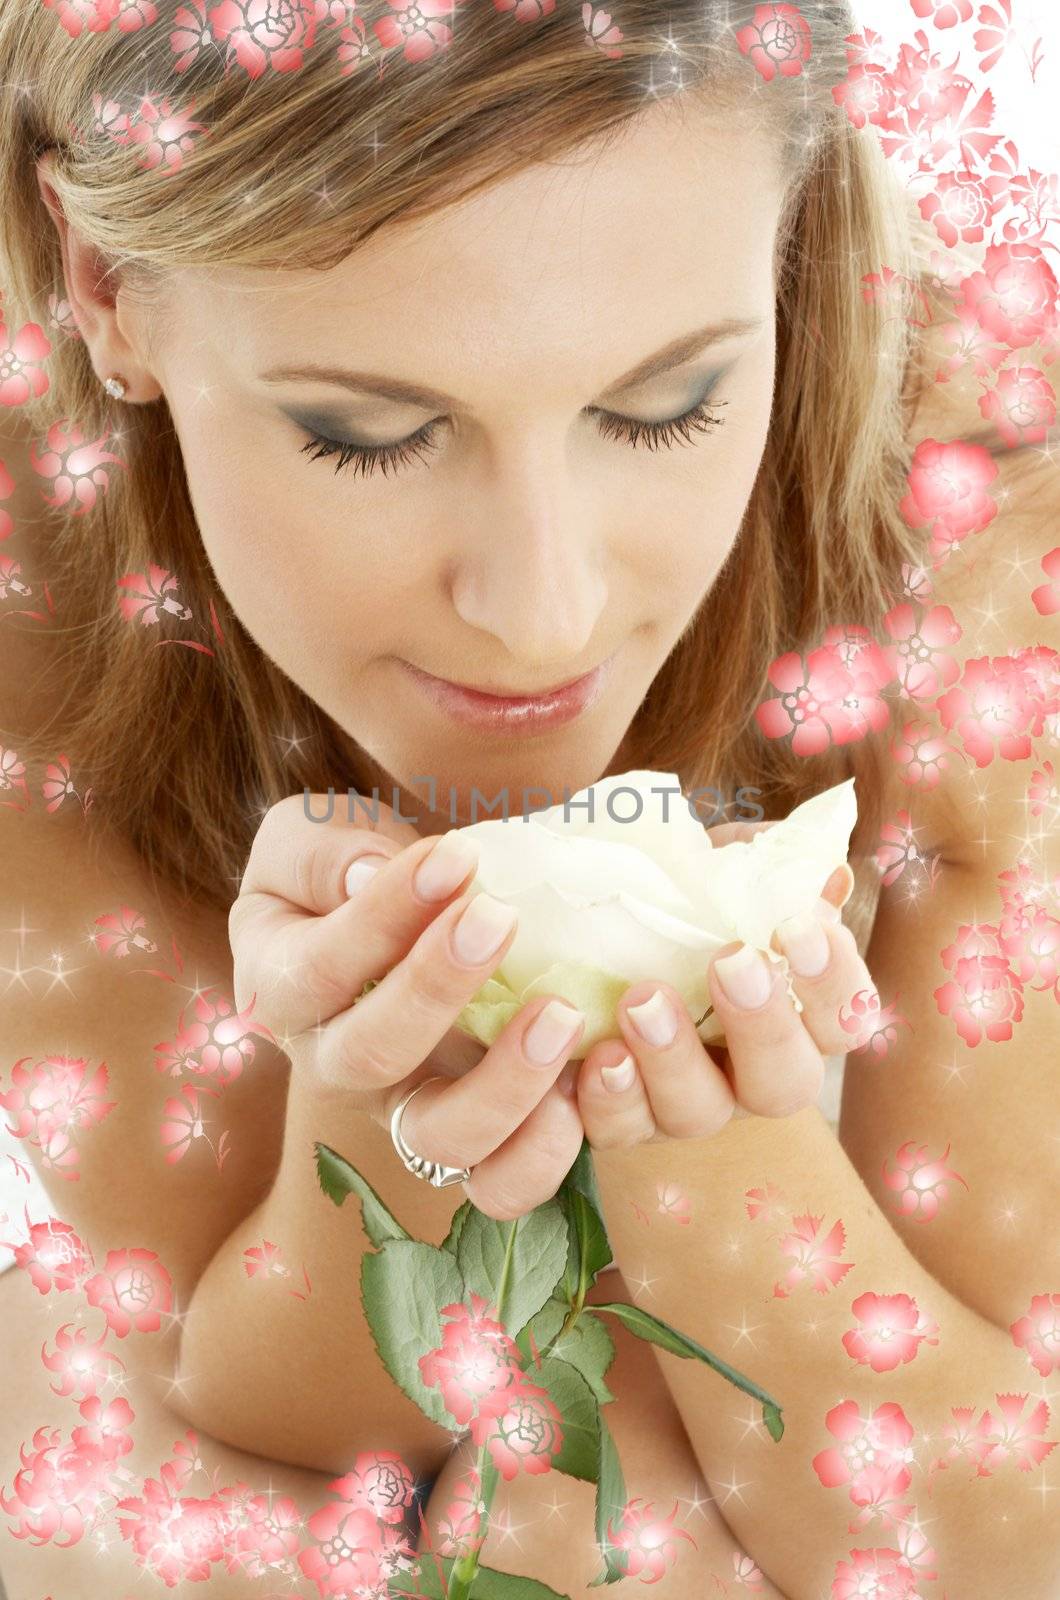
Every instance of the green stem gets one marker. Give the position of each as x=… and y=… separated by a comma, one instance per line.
x=462, y=1575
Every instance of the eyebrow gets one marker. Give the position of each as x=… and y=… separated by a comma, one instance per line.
x=671, y=355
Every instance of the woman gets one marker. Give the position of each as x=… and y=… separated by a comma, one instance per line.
x=500, y=528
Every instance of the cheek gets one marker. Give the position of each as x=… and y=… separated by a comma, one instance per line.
x=285, y=559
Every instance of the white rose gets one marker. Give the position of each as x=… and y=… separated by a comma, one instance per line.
x=604, y=903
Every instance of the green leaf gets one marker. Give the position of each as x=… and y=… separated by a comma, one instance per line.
x=539, y=1252
x=426, y=1583
x=610, y=1503
x=338, y=1179
x=655, y=1331
x=403, y=1289
x=544, y=1325
x=578, y=1455
x=589, y=1348
x=460, y=1216
x=590, y=1248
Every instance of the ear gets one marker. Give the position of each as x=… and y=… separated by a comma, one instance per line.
x=93, y=293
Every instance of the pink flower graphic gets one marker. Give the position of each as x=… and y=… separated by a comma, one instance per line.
x=921, y=1185
x=165, y=133
x=985, y=995
x=922, y=755
x=673, y=1202
x=268, y=1534
x=177, y=1540
x=53, y=1255
x=648, y=1542
x=891, y=1331
x=264, y=33
x=79, y=16
x=948, y=489
x=816, y=1259
x=58, y=1093
x=149, y=595
x=1038, y=1333
x=1021, y=405
x=601, y=33
x=963, y=205
x=121, y=932
x=881, y=1573
x=1011, y=1436
x=219, y=1044
x=995, y=702
x=525, y=1435
x=21, y=375
x=881, y=1441
x=919, y=658
x=821, y=701
x=477, y=1366
x=777, y=38
x=414, y=24
x=1014, y=296
x=1046, y=598
x=943, y=13
x=76, y=469
x=379, y=1482
x=82, y=1362
x=458, y=1527
x=62, y=1488
x=132, y=1291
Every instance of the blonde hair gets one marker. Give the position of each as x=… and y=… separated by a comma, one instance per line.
x=164, y=735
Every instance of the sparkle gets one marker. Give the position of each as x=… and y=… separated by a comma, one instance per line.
x=734, y=1489
x=752, y=1423
x=555, y=1506
x=695, y=1501
x=643, y=1282
x=743, y=1330
x=291, y=740
x=22, y=929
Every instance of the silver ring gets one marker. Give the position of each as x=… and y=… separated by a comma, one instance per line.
x=438, y=1176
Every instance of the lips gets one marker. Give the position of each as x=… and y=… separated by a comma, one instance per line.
x=515, y=713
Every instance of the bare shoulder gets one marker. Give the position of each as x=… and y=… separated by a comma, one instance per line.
x=108, y=973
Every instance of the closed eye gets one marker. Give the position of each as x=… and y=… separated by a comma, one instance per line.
x=700, y=418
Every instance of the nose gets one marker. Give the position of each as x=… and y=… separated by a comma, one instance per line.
x=530, y=567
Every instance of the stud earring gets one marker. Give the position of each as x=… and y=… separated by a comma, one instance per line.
x=115, y=386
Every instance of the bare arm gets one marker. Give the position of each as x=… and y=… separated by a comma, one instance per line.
x=714, y=1279
x=300, y=1379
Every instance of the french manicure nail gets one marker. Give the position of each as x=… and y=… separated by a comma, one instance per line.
x=745, y=977
x=805, y=943
x=621, y=1076
x=445, y=868
x=482, y=929
x=359, y=872
x=551, y=1031
x=655, y=1020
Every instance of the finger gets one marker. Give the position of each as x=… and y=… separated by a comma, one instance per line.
x=529, y=1167
x=615, y=1110
x=305, y=966
x=777, y=1068
x=461, y=1123
x=690, y=1096
x=826, y=970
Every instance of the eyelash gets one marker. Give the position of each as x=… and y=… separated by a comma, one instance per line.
x=365, y=458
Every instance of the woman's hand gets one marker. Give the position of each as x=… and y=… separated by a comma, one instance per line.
x=671, y=1086
x=304, y=946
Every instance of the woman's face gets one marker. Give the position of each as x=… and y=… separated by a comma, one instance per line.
x=531, y=540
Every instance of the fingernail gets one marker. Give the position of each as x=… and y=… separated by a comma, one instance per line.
x=620, y=1077
x=805, y=943
x=824, y=908
x=445, y=867
x=655, y=1020
x=358, y=872
x=551, y=1031
x=745, y=977
x=482, y=929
